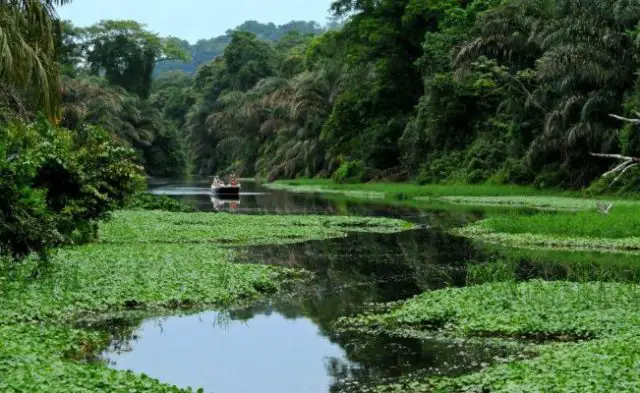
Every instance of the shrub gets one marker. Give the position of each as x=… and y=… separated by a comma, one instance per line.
x=349, y=172
x=55, y=184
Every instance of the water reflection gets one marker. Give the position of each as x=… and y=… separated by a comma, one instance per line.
x=268, y=351
x=265, y=354
x=221, y=203
x=403, y=264
x=288, y=344
x=256, y=199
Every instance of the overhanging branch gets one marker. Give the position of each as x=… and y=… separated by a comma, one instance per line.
x=628, y=162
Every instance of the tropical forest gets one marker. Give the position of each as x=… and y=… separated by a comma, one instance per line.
x=430, y=196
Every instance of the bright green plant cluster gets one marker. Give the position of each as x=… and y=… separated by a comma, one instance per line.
x=101, y=278
x=536, y=309
x=148, y=264
x=536, y=202
x=616, y=231
x=605, y=314
x=233, y=229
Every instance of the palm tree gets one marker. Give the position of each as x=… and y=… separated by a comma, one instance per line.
x=28, y=36
x=92, y=101
x=583, y=59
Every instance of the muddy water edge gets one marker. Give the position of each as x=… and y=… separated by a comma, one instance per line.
x=287, y=343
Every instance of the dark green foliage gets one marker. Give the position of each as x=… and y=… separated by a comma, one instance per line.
x=138, y=123
x=126, y=53
x=206, y=50
x=148, y=201
x=56, y=183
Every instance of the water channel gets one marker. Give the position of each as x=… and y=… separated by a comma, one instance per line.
x=287, y=344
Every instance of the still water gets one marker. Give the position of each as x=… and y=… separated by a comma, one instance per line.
x=287, y=344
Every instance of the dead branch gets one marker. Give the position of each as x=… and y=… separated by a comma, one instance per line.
x=628, y=162
x=628, y=120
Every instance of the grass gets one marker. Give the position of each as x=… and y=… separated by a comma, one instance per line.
x=412, y=190
x=535, y=202
x=622, y=222
x=506, y=263
x=617, y=231
x=149, y=261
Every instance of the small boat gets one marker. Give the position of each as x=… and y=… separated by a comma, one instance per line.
x=220, y=188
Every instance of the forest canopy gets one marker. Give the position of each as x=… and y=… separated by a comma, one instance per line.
x=441, y=91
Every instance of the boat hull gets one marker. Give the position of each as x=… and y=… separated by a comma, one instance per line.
x=227, y=190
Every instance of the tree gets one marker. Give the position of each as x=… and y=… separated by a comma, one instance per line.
x=28, y=50
x=133, y=121
x=126, y=53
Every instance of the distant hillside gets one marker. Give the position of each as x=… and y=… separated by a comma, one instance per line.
x=205, y=50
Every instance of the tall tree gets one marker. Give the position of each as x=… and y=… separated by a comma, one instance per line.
x=126, y=53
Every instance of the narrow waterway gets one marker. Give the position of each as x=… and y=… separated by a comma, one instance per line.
x=287, y=344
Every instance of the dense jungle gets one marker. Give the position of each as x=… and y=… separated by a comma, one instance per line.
x=437, y=196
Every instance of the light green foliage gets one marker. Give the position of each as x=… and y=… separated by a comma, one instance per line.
x=535, y=309
x=101, y=278
x=566, y=240
x=536, y=202
x=598, y=366
x=224, y=228
x=606, y=313
x=150, y=261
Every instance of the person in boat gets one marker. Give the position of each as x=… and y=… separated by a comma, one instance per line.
x=216, y=182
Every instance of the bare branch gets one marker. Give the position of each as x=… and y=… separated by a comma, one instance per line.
x=627, y=163
x=622, y=173
x=618, y=156
x=633, y=121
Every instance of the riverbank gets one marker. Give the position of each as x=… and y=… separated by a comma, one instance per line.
x=572, y=220
x=146, y=261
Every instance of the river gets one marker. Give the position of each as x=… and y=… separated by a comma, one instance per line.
x=287, y=344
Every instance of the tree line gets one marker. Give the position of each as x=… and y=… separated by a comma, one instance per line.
x=508, y=91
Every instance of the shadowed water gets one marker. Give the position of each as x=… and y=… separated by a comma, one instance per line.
x=288, y=344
